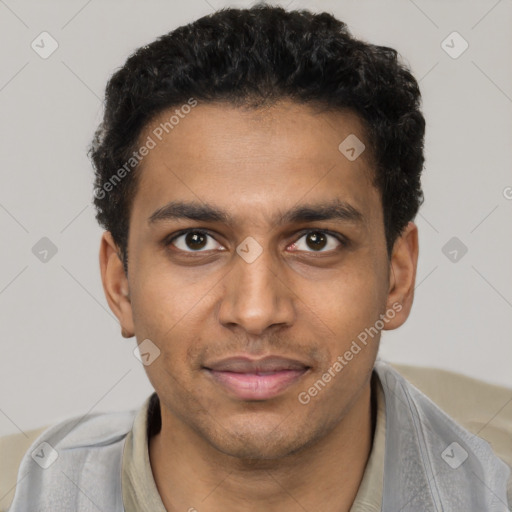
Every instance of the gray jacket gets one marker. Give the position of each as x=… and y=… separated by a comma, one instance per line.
x=431, y=463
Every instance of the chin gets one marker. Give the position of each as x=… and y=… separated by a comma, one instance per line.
x=260, y=445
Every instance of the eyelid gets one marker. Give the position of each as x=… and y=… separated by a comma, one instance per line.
x=168, y=240
x=343, y=240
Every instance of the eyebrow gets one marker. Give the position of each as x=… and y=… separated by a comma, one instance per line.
x=337, y=210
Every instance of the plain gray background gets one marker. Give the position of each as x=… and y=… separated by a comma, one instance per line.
x=62, y=352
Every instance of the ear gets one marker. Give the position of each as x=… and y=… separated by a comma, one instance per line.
x=115, y=284
x=402, y=277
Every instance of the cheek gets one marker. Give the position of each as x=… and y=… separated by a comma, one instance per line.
x=170, y=309
x=349, y=301
x=163, y=298
x=347, y=312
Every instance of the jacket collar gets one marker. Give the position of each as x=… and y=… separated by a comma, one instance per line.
x=431, y=462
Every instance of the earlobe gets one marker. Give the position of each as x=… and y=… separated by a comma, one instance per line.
x=115, y=284
x=402, y=276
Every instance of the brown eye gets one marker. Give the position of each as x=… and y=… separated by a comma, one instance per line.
x=316, y=240
x=319, y=241
x=194, y=241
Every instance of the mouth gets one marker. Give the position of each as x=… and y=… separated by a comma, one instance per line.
x=262, y=379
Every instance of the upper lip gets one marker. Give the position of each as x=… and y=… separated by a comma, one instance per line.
x=244, y=364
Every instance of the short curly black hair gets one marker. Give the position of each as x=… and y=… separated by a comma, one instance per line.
x=254, y=57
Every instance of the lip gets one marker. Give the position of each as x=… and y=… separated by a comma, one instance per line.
x=256, y=379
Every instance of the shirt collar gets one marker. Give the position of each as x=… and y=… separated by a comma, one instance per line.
x=140, y=493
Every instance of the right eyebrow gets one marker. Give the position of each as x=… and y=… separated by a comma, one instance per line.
x=193, y=211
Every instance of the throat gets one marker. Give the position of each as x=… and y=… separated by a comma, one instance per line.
x=187, y=467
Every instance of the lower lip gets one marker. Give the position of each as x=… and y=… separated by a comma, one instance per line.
x=253, y=386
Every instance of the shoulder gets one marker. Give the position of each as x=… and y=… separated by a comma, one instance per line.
x=45, y=444
x=12, y=449
x=481, y=408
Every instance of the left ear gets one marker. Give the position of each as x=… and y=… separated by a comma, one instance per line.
x=402, y=276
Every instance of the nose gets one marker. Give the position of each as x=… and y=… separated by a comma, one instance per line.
x=256, y=296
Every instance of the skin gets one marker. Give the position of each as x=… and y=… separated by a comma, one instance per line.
x=216, y=452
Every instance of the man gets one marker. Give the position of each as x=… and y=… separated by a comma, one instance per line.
x=257, y=175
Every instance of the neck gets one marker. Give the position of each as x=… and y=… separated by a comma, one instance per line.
x=191, y=474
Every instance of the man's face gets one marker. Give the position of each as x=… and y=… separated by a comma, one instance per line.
x=292, y=289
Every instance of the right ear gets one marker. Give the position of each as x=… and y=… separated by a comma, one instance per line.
x=115, y=284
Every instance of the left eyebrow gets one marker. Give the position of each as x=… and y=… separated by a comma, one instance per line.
x=335, y=210
x=203, y=212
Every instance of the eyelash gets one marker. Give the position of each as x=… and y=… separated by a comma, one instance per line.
x=342, y=239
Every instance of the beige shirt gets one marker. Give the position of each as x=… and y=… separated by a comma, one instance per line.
x=481, y=408
x=489, y=414
x=140, y=493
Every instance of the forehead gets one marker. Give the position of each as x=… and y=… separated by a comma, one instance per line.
x=253, y=161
